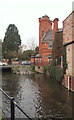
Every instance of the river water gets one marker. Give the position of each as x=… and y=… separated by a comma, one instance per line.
x=38, y=95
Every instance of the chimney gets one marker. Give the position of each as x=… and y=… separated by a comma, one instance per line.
x=55, y=26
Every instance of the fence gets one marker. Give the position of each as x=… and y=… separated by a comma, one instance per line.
x=13, y=105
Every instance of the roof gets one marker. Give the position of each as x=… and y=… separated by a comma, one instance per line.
x=37, y=56
x=47, y=36
x=49, y=56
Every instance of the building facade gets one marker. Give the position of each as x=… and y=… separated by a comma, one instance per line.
x=47, y=29
x=68, y=41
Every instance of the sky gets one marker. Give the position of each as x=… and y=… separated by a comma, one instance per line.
x=25, y=13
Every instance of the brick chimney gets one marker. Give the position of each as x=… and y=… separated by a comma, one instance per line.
x=55, y=25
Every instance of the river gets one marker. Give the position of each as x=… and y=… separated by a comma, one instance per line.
x=38, y=95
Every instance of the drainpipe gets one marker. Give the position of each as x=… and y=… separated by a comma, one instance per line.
x=68, y=82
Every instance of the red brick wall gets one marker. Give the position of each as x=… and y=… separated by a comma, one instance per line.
x=44, y=25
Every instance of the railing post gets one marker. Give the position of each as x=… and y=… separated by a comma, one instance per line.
x=12, y=109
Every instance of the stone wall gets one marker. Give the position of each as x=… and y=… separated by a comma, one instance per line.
x=68, y=36
x=67, y=29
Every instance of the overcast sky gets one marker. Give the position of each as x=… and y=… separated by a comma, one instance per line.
x=25, y=13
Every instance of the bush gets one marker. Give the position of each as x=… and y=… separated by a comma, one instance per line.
x=15, y=70
x=45, y=69
x=33, y=67
x=54, y=71
x=65, y=64
x=59, y=74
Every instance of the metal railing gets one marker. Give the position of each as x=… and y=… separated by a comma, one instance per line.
x=13, y=104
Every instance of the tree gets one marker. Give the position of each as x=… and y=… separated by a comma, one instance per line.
x=57, y=45
x=36, y=51
x=31, y=44
x=27, y=54
x=12, y=40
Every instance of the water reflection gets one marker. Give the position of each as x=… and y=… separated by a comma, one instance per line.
x=38, y=95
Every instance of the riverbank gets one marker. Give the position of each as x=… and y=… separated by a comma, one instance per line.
x=22, y=70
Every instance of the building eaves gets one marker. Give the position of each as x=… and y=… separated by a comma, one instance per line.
x=69, y=15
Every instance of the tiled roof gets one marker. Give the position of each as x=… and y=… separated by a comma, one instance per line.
x=38, y=56
x=47, y=36
x=49, y=56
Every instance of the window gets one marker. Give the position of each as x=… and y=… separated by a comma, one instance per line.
x=36, y=60
x=50, y=44
x=40, y=60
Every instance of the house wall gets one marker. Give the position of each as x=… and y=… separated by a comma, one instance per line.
x=68, y=36
x=45, y=24
x=73, y=60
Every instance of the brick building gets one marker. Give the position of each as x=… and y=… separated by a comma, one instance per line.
x=68, y=41
x=47, y=29
x=57, y=50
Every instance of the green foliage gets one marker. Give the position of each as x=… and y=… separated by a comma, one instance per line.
x=12, y=40
x=15, y=70
x=59, y=74
x=11, y=54
x=54, y=71
x=45, y=69
x=57, y=45
x=21, y=56
x=27, y=54
x=65, y=64
x=33, y=68
x=58, y=60
x=36, y=51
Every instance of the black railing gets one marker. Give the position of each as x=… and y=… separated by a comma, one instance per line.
x=13, y=104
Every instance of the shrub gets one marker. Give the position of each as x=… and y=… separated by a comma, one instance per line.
x=54, y=71
x=59, y=74
x=65, y=64
x=33, y=67
x=45, y=69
